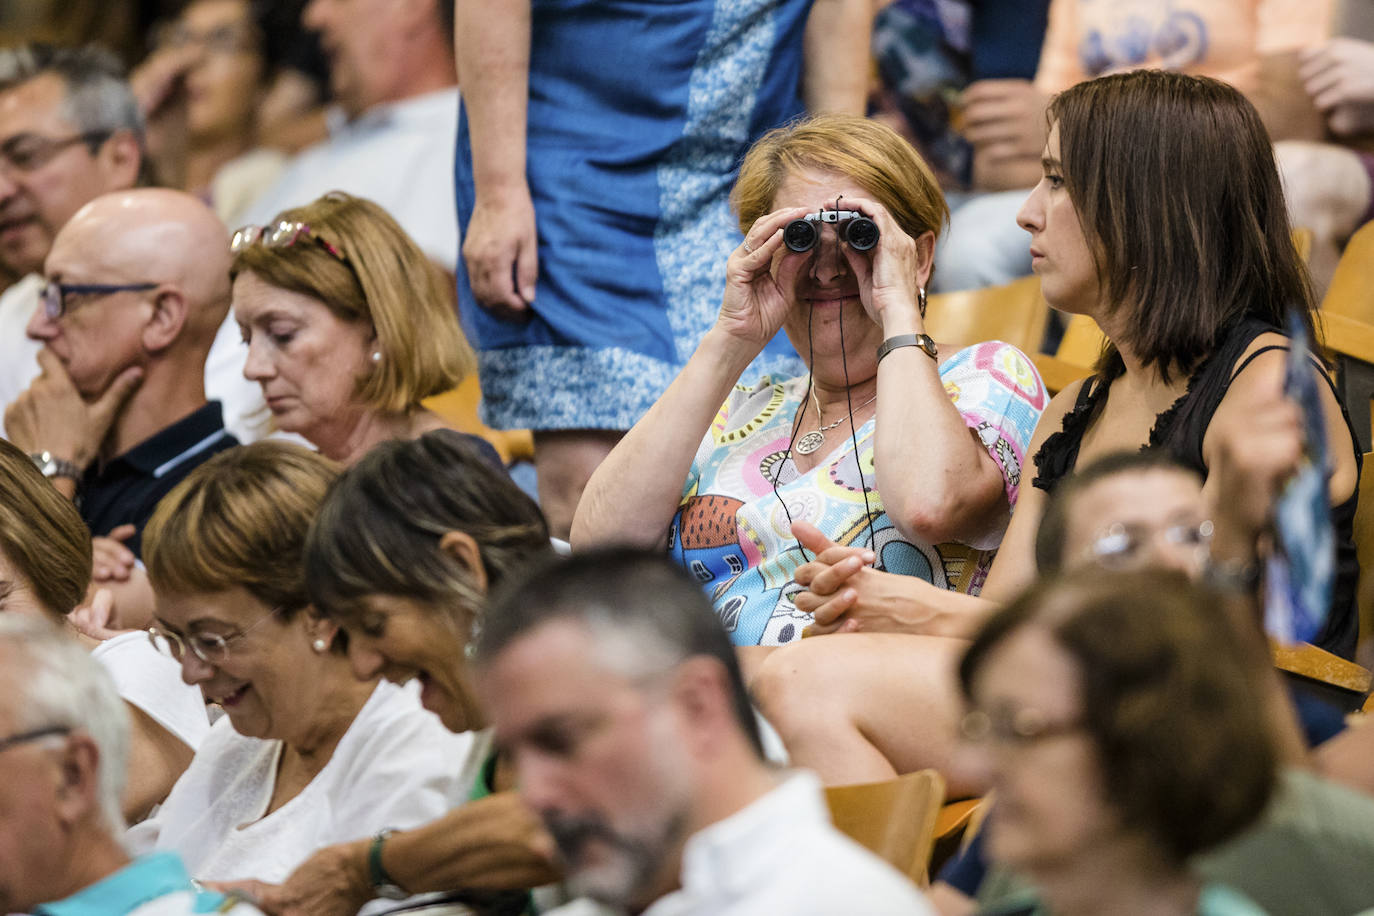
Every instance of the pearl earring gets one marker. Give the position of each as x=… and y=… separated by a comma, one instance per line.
x=319, y=645
x=376, y=356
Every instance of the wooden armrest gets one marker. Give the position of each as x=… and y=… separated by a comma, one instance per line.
x=1347, y=336
x=1308, y=661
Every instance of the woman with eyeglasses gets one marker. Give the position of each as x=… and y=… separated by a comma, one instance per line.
x=216, y=70
x=306, y=753
x=45, y=569
x=464, y=529
x=348, y=326
x=1114, y=718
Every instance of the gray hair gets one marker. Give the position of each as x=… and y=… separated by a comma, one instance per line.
x=54, y=681
x=98, y=97
x=646, y=616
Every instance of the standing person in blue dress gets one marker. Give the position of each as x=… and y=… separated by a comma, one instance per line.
x=595, y=156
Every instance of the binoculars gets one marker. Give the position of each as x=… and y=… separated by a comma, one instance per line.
x=855, y=229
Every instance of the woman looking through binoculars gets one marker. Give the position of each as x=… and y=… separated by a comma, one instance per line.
x=892, y=442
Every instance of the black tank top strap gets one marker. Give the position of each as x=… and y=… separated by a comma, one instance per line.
x=1059, y=452
x=1253, y=356
x=1181, y=428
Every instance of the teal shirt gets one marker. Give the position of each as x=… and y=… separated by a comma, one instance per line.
x=138, y=884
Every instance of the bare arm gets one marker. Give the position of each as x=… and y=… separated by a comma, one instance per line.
x=937, y=481
x=492, y=47
x=847, y=596
x=837, y=37
x=494, y=843
x=157, y=758
x=633, y=494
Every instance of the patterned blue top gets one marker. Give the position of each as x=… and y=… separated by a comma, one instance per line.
x=639, y=112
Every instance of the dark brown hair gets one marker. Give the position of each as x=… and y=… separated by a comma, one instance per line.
x=1175, y=185
x=379, y=529
x=1171, y=699
x=42, y=535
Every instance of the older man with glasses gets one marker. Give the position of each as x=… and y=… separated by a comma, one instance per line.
x=70, y=130
x=64, y=739
x=137, y=288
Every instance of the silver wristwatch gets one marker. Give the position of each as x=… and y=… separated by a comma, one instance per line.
x=51, y=466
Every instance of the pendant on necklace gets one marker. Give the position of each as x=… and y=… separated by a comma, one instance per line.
x=810, y=442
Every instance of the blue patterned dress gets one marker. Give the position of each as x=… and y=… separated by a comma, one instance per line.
x=639, y=113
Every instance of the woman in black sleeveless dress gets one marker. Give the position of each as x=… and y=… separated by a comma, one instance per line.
x=1160, y=215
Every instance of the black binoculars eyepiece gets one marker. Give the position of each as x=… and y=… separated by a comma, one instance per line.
x=856, y=230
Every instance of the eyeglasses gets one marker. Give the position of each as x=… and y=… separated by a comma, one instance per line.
x=54, y=295
x=283, y=234
x=1122, y=545
x=30, y=152
x=233, y=38
x=1014, y=728
x=26, y=737
x=210, y=648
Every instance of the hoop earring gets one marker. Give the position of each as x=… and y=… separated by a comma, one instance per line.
x=921, y=300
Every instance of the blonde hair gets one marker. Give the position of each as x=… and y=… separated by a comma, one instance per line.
x=872, y=154
x=387, y=283
x=42, y=536
x=240, y=520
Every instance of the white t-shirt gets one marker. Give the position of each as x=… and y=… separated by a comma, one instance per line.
x=18, y=354
x=152, y=681
x=396, y=766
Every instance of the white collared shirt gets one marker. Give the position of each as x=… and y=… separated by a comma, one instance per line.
x=781, y=855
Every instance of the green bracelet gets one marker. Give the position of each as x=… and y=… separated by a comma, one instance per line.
x=376, y=874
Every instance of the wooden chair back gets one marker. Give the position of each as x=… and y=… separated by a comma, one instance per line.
x=894, y=819
x=1014, y=313
x=458, y=408
x=1364, y=550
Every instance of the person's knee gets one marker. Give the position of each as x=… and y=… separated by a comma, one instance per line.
x=796, y=689
x=564, y=461
x=1327, y=187
x=983, y=246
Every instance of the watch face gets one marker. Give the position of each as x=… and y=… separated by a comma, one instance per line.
x=390, y=892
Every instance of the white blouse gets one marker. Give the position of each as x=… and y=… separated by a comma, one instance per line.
x=396, y=766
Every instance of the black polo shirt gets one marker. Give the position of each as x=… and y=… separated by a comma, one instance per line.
x=125, y=490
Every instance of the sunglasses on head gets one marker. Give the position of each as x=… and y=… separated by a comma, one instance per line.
x=282, y=234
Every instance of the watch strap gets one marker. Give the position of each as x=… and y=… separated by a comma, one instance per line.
x=923, y=341
x=376, y=873
x=51, y=466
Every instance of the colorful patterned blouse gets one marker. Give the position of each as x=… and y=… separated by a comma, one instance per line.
x=732, y=529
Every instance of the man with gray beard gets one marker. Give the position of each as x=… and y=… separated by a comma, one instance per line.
x=615, y=694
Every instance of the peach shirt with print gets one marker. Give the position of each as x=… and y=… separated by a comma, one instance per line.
x=1219, y=38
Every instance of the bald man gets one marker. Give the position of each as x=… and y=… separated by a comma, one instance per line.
x=137, y=286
